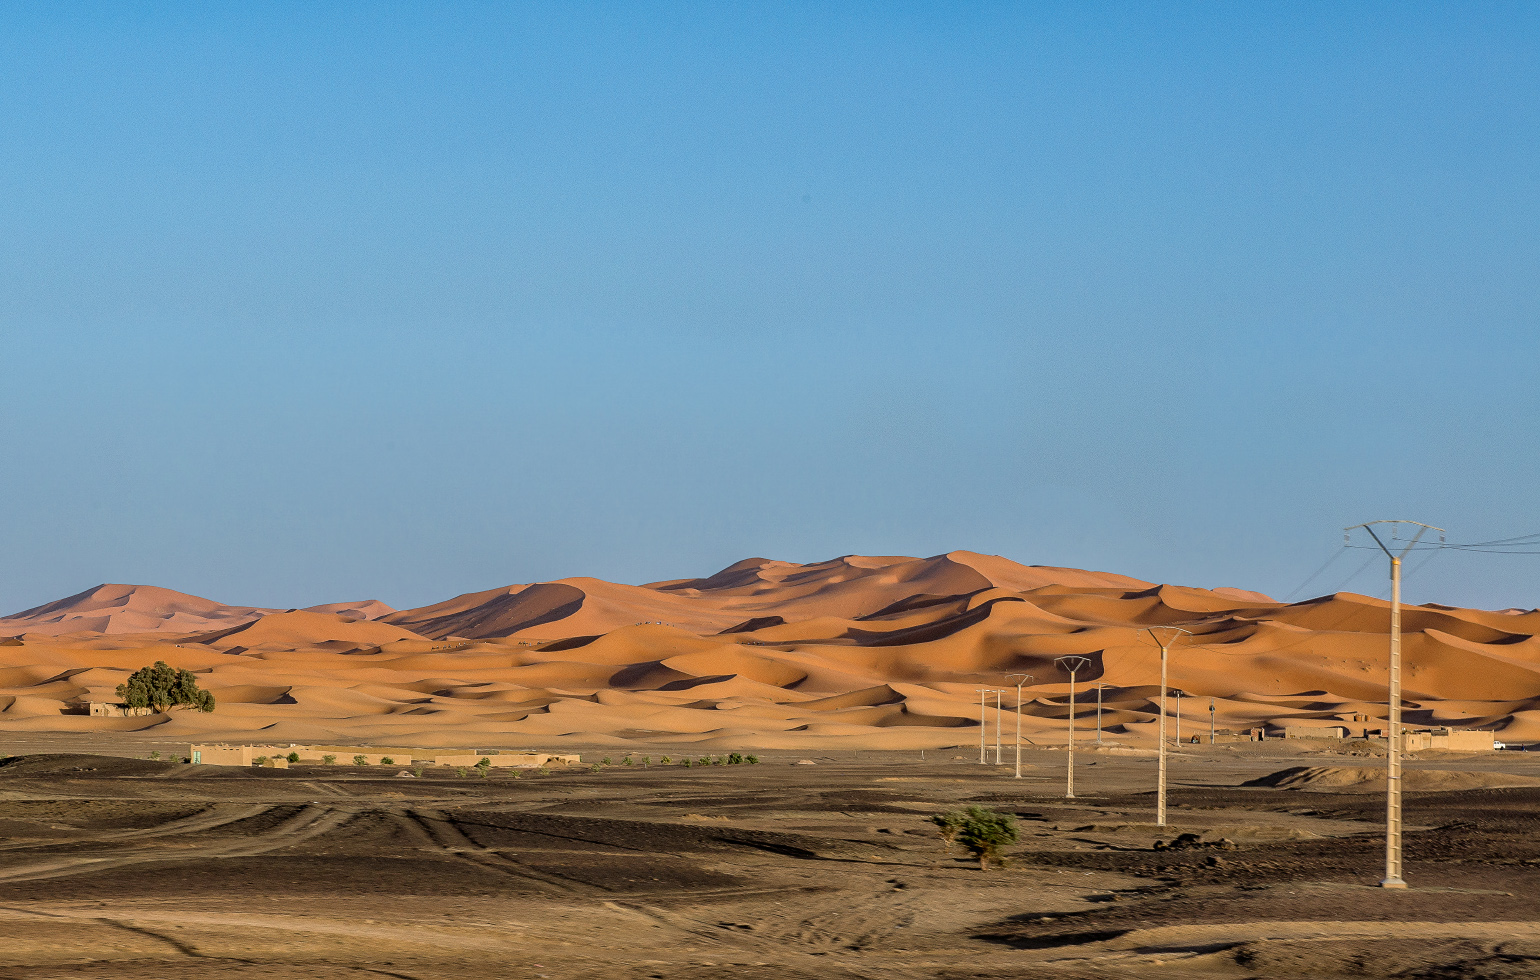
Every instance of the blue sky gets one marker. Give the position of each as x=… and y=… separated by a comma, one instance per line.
x=314, y=302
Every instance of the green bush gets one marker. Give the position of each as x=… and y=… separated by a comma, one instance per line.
x=417, y=770
x=359, y=760
x=293, y=756
x=260, y=760
x=328, y=760
x=161, y=687
x=462, y=772
x=626, y=761
x=155, y=754
x=735, y=759
x=752, y=760
x=981, y=830
x=685, y=762
x=544, y=770
x=666, y=761
x=596, y=768
x=715, y=761
x=386, y=760
x=604, y=761
x=646, y=761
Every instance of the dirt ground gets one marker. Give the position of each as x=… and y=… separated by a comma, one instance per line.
x=128, y=868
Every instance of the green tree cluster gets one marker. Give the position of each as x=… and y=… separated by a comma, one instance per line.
x=981, y=830
x=162, y=686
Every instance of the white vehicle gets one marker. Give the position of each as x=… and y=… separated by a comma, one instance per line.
x=1498, y=745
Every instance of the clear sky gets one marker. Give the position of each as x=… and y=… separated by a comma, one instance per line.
x=311, y=302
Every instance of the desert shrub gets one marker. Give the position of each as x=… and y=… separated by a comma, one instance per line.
x=752, y=760
x=328, y=760
x=483, y=767
x=386, y=760
x=417, y=770
x=596, y=768
x=646, y=761
x=155, y=754
x=685, y=762
x=735, y=759
x=260, y=760
x=162, y=686
x=666, y=761
x=716, y=761
x=359, y=760
x=293, y=756
x=605, y=761
x=462, y=771
x=544, y=770
x=979, y=829
x=626, y=761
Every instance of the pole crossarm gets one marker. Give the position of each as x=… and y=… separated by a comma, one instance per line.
x=1421, y=530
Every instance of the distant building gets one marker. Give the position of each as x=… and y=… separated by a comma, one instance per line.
x=371, y=755
x=1314, y=731
x=103, y=709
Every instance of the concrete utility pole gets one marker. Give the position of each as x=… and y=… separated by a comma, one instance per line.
x=1179, y=717
x=1071, y=665
x=1160, y=784
x=998, y=690
x=983, y=725
x=1099, y=713
x=1023, y=680
x=1393, y=877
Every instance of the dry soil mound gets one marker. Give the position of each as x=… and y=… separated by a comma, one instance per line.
x=1362, y=779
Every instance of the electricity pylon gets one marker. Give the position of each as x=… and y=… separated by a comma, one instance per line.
x=1393, y=877
x=1160, y=783
x=1024, y=679
x=983, y=726
x=1071, y=665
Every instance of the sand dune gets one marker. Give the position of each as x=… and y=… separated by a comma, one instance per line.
x=150, y=609
x=859, y=652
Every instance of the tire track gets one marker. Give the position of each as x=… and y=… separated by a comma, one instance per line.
x=449, y=838
x=310, y=821
x=218, y=815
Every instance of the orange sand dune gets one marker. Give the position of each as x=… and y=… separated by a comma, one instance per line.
x=149, y=609
x=857, y=652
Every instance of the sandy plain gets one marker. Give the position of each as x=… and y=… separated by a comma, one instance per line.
x=126, y=868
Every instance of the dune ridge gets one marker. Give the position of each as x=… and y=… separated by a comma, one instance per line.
x=857, y=651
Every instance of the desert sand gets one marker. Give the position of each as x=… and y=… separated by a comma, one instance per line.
x=131, y=869
x=857, y=653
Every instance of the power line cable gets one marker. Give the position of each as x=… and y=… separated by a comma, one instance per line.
x=1336, y=554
